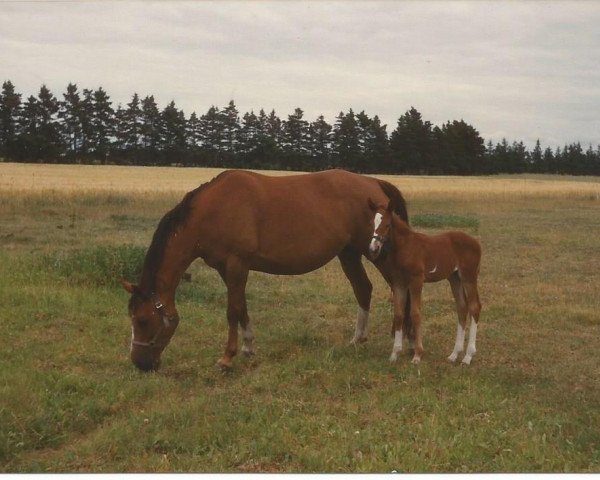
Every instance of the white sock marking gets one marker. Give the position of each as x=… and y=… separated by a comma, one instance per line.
x=362, y=320
x=397, y=348
x=248, y=337
x=459, y=342
x=472, y=340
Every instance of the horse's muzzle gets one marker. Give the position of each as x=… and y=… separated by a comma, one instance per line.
x=374, y=249
x=147, y=365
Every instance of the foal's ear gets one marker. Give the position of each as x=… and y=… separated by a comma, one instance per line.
x=372, y=205
x=390, y=207
x=129, y=287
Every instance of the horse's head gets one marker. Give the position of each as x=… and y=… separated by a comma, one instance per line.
x=382, y=228
x=151, y=327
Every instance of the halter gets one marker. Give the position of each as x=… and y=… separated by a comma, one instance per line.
x=166, y=322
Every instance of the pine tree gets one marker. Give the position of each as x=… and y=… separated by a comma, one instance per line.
x=132, y=123
x=150, y=129
x=461, y=148
x=231, y=127
x=411, y=144
x=86, y=115
x=274, y=129
x=10, y=104
x=69, y=114
x=173, y=134
x=102, y=123
x=345, y=141
x=320, y=144
x=536, y=158
x=27, y=147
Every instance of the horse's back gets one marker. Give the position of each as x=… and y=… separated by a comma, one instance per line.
x=286, y=224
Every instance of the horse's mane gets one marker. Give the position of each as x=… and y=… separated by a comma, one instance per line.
x=396, y=199
x=172, y=221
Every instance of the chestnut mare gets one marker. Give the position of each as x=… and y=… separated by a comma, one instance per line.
x=413, y=258
x=242, y=221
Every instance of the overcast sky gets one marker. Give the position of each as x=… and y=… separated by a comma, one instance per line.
x=520, y=70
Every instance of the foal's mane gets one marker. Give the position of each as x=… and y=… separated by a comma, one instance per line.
x=396, y=199
x=171, y=222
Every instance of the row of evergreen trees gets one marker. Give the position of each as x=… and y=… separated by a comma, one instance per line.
x=84, y=127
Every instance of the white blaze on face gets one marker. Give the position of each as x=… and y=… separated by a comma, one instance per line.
x=376, y=244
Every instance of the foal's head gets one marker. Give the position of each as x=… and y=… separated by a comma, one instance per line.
x=151, y=327
x=382, y=227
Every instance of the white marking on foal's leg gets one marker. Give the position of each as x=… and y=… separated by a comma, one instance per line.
x=459, y=344
x=471, y=346
x=248, y=337
x=397, y=348
x=362, y=321
x=132, y=339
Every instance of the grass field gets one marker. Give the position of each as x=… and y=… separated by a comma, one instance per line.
x=307, y=402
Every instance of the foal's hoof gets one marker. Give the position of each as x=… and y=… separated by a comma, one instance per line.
x=248, y=352
x=416, y=360
x=466, y=361
x=357, y=341
x=225, y=364
x=452, y=357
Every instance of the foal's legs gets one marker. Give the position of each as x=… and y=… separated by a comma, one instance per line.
x=461, y=310
x=356, y=274
x=235, y=276
x=474, y=309
x=399, y=297
x=415, y=289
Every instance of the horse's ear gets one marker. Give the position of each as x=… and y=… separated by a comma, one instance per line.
x=372, y=205
x=129, y=287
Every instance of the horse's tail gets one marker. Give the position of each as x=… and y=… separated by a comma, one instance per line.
x=396, y=198
x=399, y=208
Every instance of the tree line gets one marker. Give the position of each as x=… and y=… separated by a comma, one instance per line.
x=85, y=127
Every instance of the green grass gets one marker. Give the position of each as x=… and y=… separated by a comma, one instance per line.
x=436, y=220
x=70, y=401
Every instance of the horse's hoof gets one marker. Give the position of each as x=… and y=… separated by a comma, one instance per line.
x=393, y=357
x=452, y=357
x=416, y=360
x=225, y=364
x=248, y=353
x=466, y=361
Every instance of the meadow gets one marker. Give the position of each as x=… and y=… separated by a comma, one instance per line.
x=70, y=400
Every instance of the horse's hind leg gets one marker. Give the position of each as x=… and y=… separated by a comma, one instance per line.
x=235, y=276
x=461, y=311
x=356, y=274
x=400, y=295
x=474, y=309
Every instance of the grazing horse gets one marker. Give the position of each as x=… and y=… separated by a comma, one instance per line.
x=407, y=259
x=242, y=221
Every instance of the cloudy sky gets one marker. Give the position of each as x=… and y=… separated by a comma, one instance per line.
x=514, y=69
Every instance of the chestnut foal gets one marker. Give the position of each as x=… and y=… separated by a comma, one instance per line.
x=407, y=259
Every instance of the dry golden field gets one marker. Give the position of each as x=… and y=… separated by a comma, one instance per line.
x=78, y=178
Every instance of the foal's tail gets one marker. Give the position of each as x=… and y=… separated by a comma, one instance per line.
x=396, y=199
x=399, y=208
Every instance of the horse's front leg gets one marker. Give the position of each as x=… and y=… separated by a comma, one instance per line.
x=354, y=270
x=235, y=276
x=415, y=288
x=399, y=299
